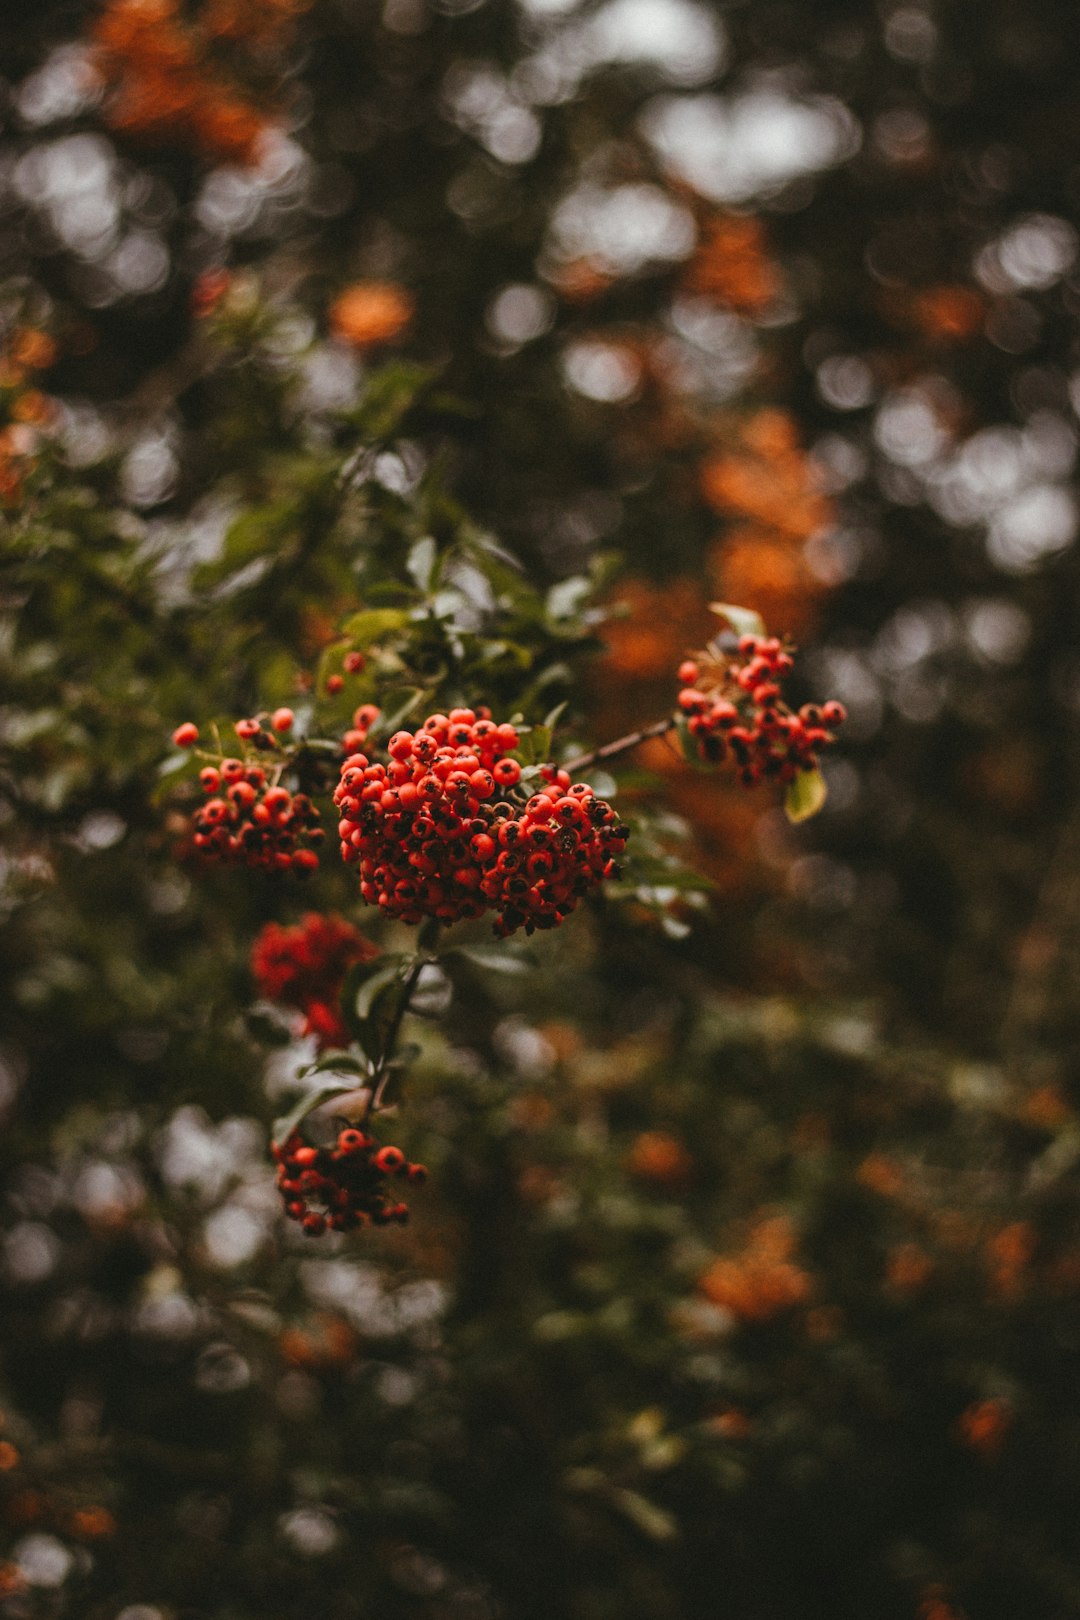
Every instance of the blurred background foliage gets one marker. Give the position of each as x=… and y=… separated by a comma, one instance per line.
x=748, y=1275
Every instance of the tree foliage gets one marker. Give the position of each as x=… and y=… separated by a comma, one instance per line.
x=425, y=357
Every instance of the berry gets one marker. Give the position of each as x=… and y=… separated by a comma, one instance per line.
x=304, y=967
x=349, y=1181
x=247, y=729
x=252, y=824
x=334, y=684
x=354, y=662
x=282, y=719
x=438, y=833
x=736, y=710
x=186, y=736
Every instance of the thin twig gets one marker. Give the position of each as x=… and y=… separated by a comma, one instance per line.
x=621, y=745
x=381, y=1076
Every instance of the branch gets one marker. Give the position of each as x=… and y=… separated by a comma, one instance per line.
x=621, y=745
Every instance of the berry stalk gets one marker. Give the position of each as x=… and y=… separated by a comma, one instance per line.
x=621, y=745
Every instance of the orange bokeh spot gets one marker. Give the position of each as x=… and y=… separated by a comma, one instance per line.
x=763, y=1280
x=908, y=1268
x=948, y=314
x=983, y=1425
x=93, y=1523
x=660, y=1158
x=880, y=1175
x=370, y=312
x=731, y=265
x=324, y=1342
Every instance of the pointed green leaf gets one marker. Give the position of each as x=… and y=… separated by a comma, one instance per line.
x=805, y=796
x=371, y=986
x=744, y=621
x=305, y=1105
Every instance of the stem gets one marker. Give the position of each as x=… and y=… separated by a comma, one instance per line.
x=381, y=1077
x=621, y=745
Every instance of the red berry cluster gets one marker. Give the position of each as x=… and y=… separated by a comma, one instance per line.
x=349, y=1180
x=248, y=823
x=304, y=967
x=736, y=709
x=439, y=832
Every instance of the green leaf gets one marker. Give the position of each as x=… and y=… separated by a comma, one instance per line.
x=390, y=396
x=369, y=989
x=373, y=1030
x=397, y=707
x=421, y=561
x=534, y=747
x=805, y=796
x=373, y=623
x=492, y=958
x=305, y=1105
x=744, y=621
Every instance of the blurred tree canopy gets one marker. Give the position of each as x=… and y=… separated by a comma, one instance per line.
x=510, y=333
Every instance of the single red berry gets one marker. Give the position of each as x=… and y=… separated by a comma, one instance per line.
x=210, y=779
x=282, y=719
x=354, y=662
x=186, y=736
x=246, y=729
x=334, y=684
x=389, y=1160
x=688, y=673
